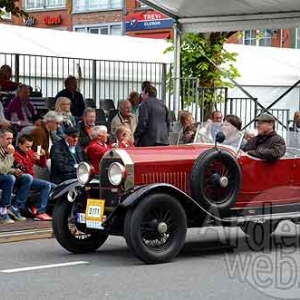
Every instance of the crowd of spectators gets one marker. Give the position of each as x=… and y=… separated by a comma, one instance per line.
x=68, y=135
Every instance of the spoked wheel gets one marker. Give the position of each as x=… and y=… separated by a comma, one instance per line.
x=155, y=229
x=71, y=235
x=215, y=181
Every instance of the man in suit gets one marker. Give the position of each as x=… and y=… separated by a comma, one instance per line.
x=74, y=95
x=153, y=123
x=65, y=155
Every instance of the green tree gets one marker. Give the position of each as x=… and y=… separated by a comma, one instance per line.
x=11, y=6
x=201, y=57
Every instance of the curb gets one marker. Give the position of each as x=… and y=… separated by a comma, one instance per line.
x=25, y=235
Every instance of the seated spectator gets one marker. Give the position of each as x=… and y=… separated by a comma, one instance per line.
x=134, y=98
x=124, y=138
x=296, y=122
x=65, y=155
x=45, y=135
x=250, y=134
x=231, y=128
x=86, y=126
x=26, y=159
x=6, y=83
x=7, y=180
x=189, y=129
x=98, y=147
x=62, y=107
x=74, y=95
x=124, y=117
x=8, y=175
x=4, y=123
x=20, y=110
x=267, y=145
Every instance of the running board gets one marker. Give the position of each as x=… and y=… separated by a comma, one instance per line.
x=295, y=217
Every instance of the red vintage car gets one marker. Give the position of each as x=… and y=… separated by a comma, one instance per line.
x=152, y=195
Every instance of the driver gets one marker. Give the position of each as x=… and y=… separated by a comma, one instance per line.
x=267, y=145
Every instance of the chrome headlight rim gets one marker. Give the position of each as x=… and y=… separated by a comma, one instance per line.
x=114, y=178
x=83, y=173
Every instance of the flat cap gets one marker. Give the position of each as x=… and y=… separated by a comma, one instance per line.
x=265, y=118
x=71, y=131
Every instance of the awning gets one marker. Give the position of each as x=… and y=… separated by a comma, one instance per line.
x=230, y=15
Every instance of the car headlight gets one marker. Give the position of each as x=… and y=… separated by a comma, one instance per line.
x=116, y=173
x=83, y=172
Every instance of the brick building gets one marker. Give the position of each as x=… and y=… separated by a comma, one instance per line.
x=98, y=17
x=52, y=14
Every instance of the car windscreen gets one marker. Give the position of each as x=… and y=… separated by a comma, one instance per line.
x=206, y=134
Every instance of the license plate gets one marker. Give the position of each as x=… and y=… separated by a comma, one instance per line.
x=94, y=213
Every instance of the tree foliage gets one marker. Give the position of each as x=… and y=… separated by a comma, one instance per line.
x=11, y=6
x=201, y=55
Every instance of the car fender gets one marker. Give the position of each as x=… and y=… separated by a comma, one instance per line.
x=64, y=188
x=188, y=203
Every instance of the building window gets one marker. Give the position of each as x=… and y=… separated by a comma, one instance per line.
x=42, y=4
x=257, y=38
x=86, y=5
x=109, y=29
x=5, y=15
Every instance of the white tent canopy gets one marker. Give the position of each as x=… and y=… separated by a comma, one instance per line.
x=230, y=15
x=47, y=42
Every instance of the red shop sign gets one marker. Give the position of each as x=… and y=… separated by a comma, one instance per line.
x=53, y=20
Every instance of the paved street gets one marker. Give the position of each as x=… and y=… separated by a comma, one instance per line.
x=202, y=271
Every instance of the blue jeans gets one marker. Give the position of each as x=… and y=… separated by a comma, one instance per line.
x=24, y=183
x=6, y=184
x=43, y=187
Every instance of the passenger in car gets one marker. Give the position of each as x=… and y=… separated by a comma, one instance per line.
x=267, y=145
x=231, y=127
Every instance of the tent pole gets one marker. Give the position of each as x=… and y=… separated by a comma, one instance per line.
x=177, y=67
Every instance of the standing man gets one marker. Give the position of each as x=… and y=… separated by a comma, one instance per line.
x=267, y=145
x=74, y=95
x=153, y=124
x=65, y=155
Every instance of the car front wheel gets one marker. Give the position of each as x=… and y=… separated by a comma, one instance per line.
x=71, y=235
x=155, y=229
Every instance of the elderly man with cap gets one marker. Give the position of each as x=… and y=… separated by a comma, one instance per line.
x=65, y=155
x=267, y=145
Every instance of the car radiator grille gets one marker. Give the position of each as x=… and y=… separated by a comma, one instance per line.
x=178, y=179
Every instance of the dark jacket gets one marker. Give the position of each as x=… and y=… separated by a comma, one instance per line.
x=268, y=147
x=153, y=124
x=77, y=101
x=84, y=138
x=63, y=162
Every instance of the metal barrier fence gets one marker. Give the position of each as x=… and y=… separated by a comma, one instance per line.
x=98, y=79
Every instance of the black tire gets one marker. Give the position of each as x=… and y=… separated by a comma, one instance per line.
x=206, y=175
x=258, y=235
x=66, y=238
x=142, y=223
